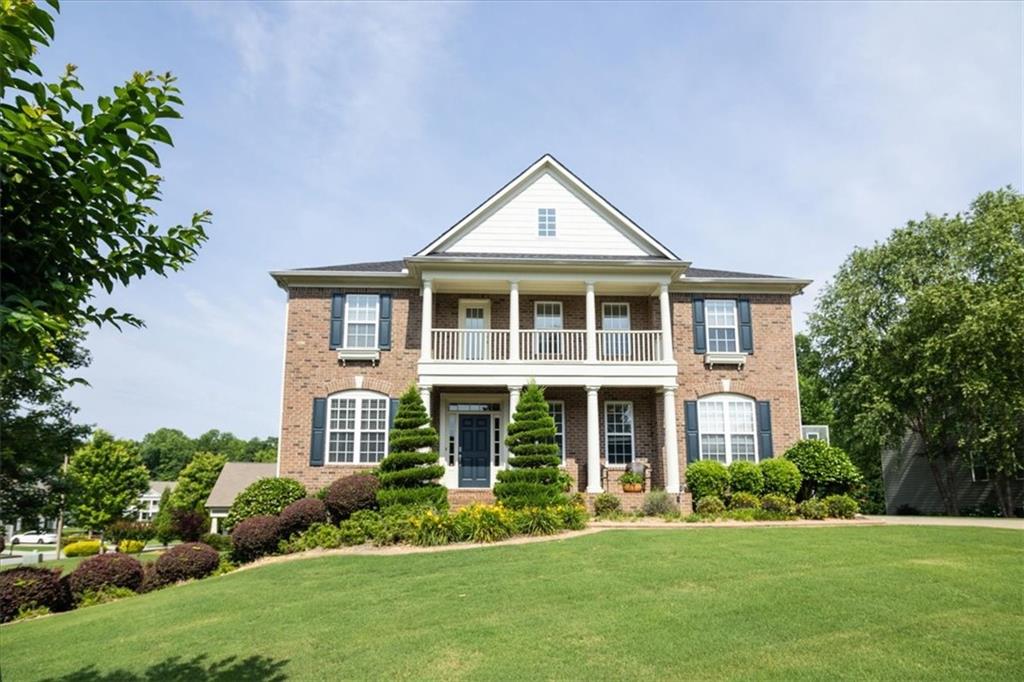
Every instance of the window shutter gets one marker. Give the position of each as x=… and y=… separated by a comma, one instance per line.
x=393, y=412
x=692, y=438
x=746, y=329
x=699, y=335
x=384, y=326
x=337, y=320
x=764, y=429
x=316, y=446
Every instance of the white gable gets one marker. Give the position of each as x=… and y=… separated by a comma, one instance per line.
x=585, y=224
x=579, y=228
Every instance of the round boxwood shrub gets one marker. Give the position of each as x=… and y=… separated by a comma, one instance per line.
x=779, y=504
x=707, y=478
x=606, y=503
x=350, y=494
x=710, y=505
x=826, y=469
x=82, y=548
x=106, y=570
x=841, y=506
x=744, y=500
x=265, y=497
x=255, y=537
x=745, y=477
x=812, y=508
x=187, y=561
x=300, y=515
x=31, y=587
x=781, y=477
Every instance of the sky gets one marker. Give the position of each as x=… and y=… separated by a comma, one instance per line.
x=746, y=136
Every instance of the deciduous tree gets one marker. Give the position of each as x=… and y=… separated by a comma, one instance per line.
x=106, y=477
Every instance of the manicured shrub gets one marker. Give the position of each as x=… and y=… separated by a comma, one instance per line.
x=534, y=478
x=710, y=506
x=255, y=537
x=300, y=515
x=841, y=506
x=221, y=543
x=189, y=524
x=826, y=469
x=744, y=500
x=82, y=548
x=265, y=497
x=131, y=546
x=350, y=494
x=607, y=504
x=659, y=503
x=781, y=477
x=187, y=561
x=707, y=478
x=106, y=570
x=538, y=520
x=411, y=464
x=773, y=502
x=30, y=587
x=812, y=508
x=745, y=477
x=129, y=530
x=151, y=580
x=484, y=523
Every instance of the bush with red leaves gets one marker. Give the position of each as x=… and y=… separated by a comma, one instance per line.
x=350, y=494
x=106, y=570
x=189, y=525
x=255, y=537
x=188, y=561
x=31, y=587
x=300, y=515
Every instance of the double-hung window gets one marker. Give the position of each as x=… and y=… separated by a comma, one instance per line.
x=722, y=325
x=728, y=429
x=556, y=408
x=362, y=317
x=545, y=222
x=357, y=428
x=618, y=432
x=548, y=326
x=615, y=331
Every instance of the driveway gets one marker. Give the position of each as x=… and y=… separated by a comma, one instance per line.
x=1009, y=524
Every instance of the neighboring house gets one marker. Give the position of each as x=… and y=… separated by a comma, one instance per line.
x=910, y=486
x=643, y=357
x=233, y=479
x=149, y=501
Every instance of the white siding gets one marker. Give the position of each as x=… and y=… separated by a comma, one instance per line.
x=580, y=229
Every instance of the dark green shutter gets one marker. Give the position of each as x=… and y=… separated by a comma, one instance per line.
x=316, y=445
x=394, y=411
x=337, y=320
x=699, y=335
x=746, y=329
x=384, y=326
x=764, y=429
x=692, y=437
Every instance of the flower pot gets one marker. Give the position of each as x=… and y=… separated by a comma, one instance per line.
x=632, y=487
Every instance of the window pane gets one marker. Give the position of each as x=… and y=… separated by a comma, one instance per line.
x=371, y=446
x=557, y=412
x=722, y=340
x=741, y=417
x=549, y=316
x=619, y=418
x=711, y=416
x=341, y=446
x=375, y=414
x=742, y=447
x=620, y=449
x=361, y=336
x=619, y=432
x=720, y=313
x=712, y=446
x=343, y=414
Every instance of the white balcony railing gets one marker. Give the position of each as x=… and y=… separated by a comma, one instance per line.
x=470, y=344
x=629, y=346
x=554, y=345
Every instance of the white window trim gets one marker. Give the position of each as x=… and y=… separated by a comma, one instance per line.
x=560, y=439
x=376, y=326
x=632, y=434
x=629, y=315
x=561, y=315
x=727, y=398
x=359, y=396
x=553, y=224
x=736, y=329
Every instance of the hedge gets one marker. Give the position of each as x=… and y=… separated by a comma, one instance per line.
x=265, y=497
x=106, y=570
x=188, y=561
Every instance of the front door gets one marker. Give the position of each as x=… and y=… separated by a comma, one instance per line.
x=474, y=451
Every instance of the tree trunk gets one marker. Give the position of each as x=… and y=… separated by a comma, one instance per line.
x=1001, y=484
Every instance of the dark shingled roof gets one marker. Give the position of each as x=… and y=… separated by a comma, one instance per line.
x=726, y=274
x=556, y=256
x=376, y=266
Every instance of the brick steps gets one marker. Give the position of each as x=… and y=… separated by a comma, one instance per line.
x=457, y=499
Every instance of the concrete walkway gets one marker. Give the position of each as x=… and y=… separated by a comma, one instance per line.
x=980, y=522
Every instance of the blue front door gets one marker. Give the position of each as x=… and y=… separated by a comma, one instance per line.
x=474, y=451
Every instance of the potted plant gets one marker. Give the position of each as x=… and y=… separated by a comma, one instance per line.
x=632, y=482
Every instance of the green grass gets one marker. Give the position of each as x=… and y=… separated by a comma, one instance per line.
x=777, y=603
x=70, y=563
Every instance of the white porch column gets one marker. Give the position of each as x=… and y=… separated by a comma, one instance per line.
x=427, y=324
x=593, y=442
x=513, y=321
x=666, y=324
x=591, y=324
x=671, y=442
x=213, y=524
x=425, y=397
x=513, y=401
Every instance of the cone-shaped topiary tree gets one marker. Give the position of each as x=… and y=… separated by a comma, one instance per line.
x=533, y=479
x=408, y=475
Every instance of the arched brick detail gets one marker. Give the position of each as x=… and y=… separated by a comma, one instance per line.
x=369, y=384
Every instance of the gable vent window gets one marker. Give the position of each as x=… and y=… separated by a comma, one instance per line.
x=545, y=222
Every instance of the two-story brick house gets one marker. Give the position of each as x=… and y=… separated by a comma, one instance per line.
x=643, y=357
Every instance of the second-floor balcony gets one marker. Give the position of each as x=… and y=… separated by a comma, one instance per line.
x=546, y=346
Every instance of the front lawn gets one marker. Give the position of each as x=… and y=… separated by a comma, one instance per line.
x=766, y=603
x=68, y=564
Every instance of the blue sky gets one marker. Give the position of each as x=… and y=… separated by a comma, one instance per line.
x=761, y=137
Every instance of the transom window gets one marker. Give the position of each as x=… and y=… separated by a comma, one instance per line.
x=556, y=408
x=721, y=325
x=357, y=428
x=618, y=432
x=545, y=222
x=727, y=429
x=362, y=315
